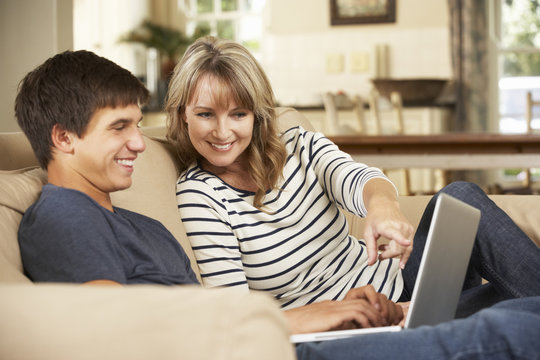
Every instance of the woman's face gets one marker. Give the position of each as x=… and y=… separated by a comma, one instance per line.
x=219, y=129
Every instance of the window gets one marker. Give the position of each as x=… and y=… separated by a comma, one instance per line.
x=238, y=20
x=518, y=61
x=515, y=36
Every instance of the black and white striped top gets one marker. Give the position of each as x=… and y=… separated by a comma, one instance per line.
x=301, y=250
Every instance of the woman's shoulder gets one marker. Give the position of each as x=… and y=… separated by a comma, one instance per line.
x=194, y=178
x=298, y=137
x=293, y=132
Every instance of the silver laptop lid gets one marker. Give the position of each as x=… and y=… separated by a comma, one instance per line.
x=444, y=262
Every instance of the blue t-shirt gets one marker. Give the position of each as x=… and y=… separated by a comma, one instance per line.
x=66, y=236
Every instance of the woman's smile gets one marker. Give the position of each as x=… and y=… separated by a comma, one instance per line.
x=222, y=147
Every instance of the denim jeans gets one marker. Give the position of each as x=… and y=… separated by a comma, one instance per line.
x=507, y=330
x=502, y=254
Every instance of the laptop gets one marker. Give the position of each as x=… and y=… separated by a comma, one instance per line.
x=441, y=273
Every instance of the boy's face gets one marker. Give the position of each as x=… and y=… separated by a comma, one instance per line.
x=103, y=157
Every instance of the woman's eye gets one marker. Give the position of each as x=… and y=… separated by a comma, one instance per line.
x=205, y=115
x=240, y=114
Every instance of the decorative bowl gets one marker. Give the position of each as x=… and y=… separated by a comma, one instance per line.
x=411, y=90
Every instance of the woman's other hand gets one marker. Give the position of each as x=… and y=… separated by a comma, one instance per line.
x=391, y=312
x=385, y=219
x=361, y=308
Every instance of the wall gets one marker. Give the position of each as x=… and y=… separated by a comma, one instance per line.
x=296, y=51
x=99, y=25
x=30, y=32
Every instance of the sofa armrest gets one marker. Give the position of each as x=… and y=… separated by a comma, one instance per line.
x=521, y=208
x=61, y=321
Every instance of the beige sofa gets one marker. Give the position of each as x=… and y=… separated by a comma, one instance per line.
x=66, y=321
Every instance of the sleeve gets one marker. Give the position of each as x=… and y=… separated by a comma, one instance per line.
x=342, y=177
x=69, y=242
x=212, y=239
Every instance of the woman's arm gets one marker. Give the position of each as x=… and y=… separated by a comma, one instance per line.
x=364, y=191
x=213, y=241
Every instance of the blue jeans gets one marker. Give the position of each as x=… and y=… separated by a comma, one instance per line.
x=502, y=254
x=507, y=330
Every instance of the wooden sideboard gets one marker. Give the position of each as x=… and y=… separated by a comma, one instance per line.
x=451, y=151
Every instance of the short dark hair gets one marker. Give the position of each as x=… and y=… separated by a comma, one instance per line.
x=67, y=90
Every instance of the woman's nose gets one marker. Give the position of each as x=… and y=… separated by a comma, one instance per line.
x=222, y=130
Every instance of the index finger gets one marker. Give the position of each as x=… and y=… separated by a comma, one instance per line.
x=393, y=233
x=371, y=245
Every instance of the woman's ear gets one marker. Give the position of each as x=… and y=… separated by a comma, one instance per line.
x=183, y=116
x=62, y=139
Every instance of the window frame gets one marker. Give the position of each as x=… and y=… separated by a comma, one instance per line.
x=217, y=15
x=496, y=50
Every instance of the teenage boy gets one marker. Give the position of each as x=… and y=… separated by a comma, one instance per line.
x=81, y=114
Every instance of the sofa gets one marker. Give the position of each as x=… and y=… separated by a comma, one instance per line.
x=71, y=321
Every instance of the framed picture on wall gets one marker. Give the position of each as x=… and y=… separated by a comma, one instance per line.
x=349, y=12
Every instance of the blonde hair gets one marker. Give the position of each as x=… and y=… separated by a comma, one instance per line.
x=240, y=75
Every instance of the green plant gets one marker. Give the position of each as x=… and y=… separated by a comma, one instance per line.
x=169, y=42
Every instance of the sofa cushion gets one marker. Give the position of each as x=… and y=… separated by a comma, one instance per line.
x=66, y=322
x=18, y=190
x=289, y=117
x=16, y=151
x=523, y=210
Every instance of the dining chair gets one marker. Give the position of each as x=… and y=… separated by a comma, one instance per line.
x=529, y=107
x=333, y=124
x=394, y=104
x=526, y=185
x=378, y=103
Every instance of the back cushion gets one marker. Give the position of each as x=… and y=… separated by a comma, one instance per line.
x=18, y=190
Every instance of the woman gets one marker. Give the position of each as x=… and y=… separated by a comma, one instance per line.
x=274, y=196
x=262, y=209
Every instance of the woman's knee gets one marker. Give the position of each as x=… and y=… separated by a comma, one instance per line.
x=463, y=190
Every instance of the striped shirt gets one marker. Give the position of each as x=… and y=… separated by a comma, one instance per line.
x=300, y=249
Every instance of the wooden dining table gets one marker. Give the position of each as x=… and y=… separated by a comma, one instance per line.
x=451, y=151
